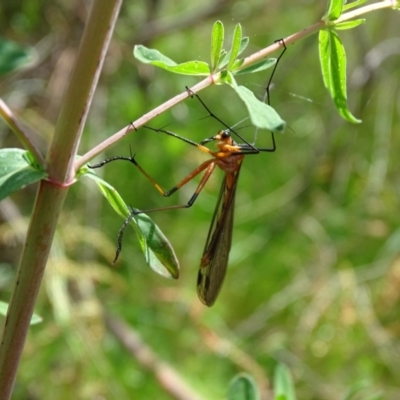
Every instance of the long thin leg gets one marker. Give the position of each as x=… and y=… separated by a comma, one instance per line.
x=274, y=70
x=165, y=193
x=267, y=96
x=208, y=166
x=191, y=142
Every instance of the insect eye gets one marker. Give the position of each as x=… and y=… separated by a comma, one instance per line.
x=225, y=134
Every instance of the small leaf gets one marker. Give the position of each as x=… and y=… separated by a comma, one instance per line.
x=217, y=41
x=353, y=4
x=262, y=115
x=154, y=57
x=283, y=384
x=17, y=171
x=146, y=55
x=227, y=77
x=333, y=66
x=187, y=68
x=243, y=44
x=243, y=387
x=237, y=64
x=225, y=56
x=349, y=24
x=236, y=41
x=159, y=254
x=13, y=56
x=259, y=66
x=35, y=319
x=334, y=10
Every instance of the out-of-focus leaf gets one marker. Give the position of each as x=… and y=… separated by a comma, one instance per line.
x=17, y=171
x=243, y=387
x=283, y=384
x=13, y=56
x=36, y=319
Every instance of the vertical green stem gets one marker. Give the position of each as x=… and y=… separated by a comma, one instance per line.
x=43, y=223
x=51, y=193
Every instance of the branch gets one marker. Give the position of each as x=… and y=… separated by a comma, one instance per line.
x=167, y=377
x=50, y=196
x=20, y=131
x=209, y=80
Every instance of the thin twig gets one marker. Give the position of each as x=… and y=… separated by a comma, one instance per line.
x=260, y=55
x=165, y=374
x=20, y=131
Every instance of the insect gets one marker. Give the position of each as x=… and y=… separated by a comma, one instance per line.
x=228, y=156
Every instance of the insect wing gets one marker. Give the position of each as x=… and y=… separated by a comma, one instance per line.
x=216, y=253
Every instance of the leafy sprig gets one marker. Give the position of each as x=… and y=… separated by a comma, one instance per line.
x=224, y=66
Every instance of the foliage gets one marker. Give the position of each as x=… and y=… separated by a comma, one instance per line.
x=313, y=278
x=224, y=66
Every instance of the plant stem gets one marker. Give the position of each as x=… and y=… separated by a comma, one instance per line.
x=184, y=95
x=366, y=9
x=253, y=58
x=46, y=211
x=51, y=193
x=80, y=92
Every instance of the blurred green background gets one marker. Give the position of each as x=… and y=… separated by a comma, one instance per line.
x=314, y=274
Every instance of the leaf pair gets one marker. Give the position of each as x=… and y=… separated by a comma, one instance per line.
x=332, y=55
x=243, y=386
x=158, y=252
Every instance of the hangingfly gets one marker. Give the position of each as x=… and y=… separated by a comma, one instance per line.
x=228, y=157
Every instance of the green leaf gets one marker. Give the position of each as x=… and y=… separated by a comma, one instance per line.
x=243, y=387
x=147, y=56
x=36, y=319
x=227, y=77
x=13, y=56
x=334, y=10
x=225, y=56
x=262, y=115
x=154, y=57
x=237, y=64
x=353, y=4
x=158, y=252
x=187, y=68
x=243, y=44
x=349, y=24
x=333, y=66
x=217, y=41
x=259, y=66
x=283, y=384
x=236, y=41
x=17, y=171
